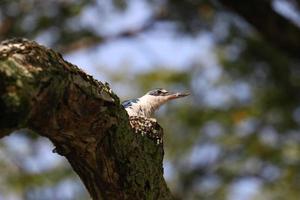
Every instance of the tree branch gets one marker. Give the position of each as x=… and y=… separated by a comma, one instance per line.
x=41, y=92
x=276, y=29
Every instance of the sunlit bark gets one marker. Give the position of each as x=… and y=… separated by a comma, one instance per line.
x=41, y=92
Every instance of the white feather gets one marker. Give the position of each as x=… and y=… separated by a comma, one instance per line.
x=146, y=105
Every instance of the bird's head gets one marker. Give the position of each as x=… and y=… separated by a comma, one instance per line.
x=162, y=93
x=150, y=102
x=160, y=96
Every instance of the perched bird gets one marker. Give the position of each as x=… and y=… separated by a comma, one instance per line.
x=146, y=105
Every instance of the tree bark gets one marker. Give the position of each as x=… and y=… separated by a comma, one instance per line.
x=41, y=92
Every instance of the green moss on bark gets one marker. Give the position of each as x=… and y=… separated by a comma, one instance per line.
x=83, y=118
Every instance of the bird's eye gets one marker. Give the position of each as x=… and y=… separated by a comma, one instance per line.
x=157, y=92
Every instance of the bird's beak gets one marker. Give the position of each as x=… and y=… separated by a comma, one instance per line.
x=177, y=95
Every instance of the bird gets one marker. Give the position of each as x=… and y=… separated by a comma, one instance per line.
x=146, y=105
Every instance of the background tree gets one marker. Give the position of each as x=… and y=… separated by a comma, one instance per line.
x=236, y=138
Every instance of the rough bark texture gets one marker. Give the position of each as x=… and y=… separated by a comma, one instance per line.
x=41, y=92
x=275, y=28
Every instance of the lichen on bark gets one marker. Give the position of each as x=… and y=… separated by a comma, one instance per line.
x=42, y=92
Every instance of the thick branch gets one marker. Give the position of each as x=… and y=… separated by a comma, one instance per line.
x=41, y=92
x=276, y=29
